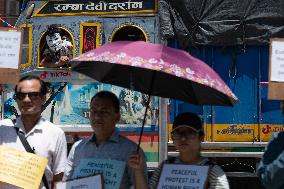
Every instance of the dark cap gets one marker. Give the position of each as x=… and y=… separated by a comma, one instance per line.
x=188, y=119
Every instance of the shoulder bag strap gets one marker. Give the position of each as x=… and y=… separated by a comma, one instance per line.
x=29, y=149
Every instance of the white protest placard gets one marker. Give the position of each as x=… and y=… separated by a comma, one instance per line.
x=276, y=69
x=112, y=171
x=92, y=182
x=277, y=61
x=10, y=53
x=180, y=176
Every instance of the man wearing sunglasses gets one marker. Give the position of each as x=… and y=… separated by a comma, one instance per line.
x=44, y=138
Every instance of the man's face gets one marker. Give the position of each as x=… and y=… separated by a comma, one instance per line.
x=29, y=98
x=54, y=42
x=103, y=116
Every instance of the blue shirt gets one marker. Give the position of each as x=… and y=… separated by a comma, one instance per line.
x=271, y=167
x=116, y=148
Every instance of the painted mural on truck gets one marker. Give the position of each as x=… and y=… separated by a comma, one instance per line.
x=71, y=105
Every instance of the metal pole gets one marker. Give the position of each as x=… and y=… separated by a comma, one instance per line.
x=163, y=129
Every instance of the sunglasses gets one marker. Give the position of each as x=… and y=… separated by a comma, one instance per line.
x=31, y=95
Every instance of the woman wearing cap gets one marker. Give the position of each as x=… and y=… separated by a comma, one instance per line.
x=187, y=135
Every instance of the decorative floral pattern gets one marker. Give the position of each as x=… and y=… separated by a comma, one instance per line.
x=161, y=65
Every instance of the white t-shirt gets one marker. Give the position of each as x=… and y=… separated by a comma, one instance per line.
x=45, y=138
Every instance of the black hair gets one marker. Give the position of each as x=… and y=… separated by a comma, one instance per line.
x=43, y=85
x=52, y=29
x=110, y=96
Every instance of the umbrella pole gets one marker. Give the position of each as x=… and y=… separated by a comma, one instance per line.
x=147, y=107
x=144, y=120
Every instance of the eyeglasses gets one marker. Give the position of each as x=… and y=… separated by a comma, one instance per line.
x=187, y=134
x=31, y=95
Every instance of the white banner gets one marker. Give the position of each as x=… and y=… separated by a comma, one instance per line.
x=183, y=176
x=94, y=182
x=10, y=46
x=277, y=61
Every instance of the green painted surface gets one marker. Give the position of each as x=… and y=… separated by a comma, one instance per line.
x=152, y=156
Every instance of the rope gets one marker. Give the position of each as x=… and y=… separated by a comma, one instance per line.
x=9, y=25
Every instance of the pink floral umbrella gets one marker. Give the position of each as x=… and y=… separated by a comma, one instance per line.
x=156, y=70
x=173, y=73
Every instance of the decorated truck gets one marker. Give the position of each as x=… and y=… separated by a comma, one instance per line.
x=54, y=32
x=230, y=36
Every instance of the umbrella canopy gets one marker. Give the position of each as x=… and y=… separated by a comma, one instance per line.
x=156, y=70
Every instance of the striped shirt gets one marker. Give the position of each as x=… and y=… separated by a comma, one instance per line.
x=217, y=178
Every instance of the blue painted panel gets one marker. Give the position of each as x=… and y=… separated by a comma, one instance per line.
x=240, y=71
x=270, y=109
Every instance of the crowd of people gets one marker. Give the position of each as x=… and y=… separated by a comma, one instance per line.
x=48, y=140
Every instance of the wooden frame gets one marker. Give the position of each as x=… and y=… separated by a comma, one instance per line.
x=126, y=25
x=10, y=75
x=94, y=25
x=39, y=45
x=30, y=45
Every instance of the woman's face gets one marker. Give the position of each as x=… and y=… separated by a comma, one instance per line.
x=54, y=42
x=186, y=139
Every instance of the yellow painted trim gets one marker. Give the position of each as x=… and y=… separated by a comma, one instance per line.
x=155, y=11
x=208, y=131
x=170, y=128
x=129, y=24
x=38, y=49
x=240, y=134
x=267, y=130
x=97, y=37
x=156, y=6
x=97, y=13
x=261, y=132
x=30, y=51
x=38, y=10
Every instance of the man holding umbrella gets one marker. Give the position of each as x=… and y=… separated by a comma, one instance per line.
x=105, y=143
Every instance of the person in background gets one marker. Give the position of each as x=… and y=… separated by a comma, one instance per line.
x=187, y=135
x=271, y=167
x=46, y=139
x=59, y=50
x=106, y=142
